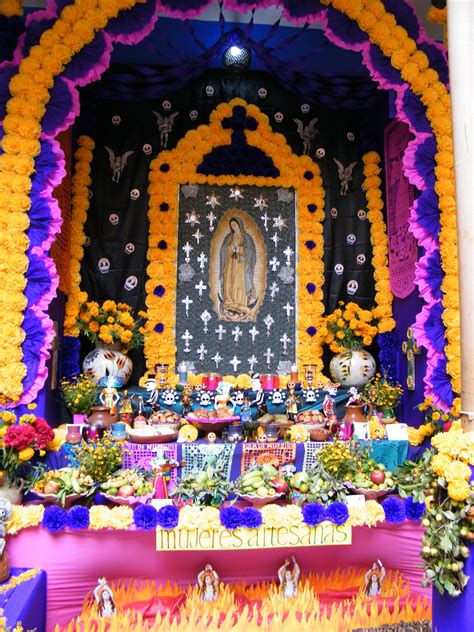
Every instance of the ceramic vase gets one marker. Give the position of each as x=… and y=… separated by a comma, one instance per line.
x=108, y=361
x=388, y=415
x=10, y=491
x=353, y=367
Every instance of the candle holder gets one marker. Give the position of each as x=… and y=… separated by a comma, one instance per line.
x=309, y=373
x=161, y=371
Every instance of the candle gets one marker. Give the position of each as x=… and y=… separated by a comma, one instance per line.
x=183, y=373
x=213, y=381
x=294, y=373
x=276, y=381
x=266, y=381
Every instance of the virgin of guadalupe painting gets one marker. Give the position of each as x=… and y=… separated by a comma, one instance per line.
x=238, y=262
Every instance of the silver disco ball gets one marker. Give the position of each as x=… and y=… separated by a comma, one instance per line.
x=236, y=58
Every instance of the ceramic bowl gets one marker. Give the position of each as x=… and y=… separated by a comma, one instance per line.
x=370, y=494
x=259, y=501
x=131, y=501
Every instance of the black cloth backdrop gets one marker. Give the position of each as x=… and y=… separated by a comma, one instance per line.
x=117, y=224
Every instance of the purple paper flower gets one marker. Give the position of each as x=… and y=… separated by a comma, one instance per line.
x=159, y=291
x=311, y=331
x=77, y=517
x=167, y=517
x=164, y=168
x=313, y=514
x=337, y=513
x=251, y=518
x=164, y=206
x=230, y=517
x=310, y=244
x=159, y=328
x=162, y=245
x=146, y=517
x=414, y=511
x=54, y=518
x=394, y=510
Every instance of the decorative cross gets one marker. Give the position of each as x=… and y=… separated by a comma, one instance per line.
x=198, y=236
x=220, y=331
x=269, y=355
x=274, y=263
x=265, y=219
x=200, y=287
x=187, y=249
x=275, y=239
x=211, y=218
x=202, y=260
x=235, y=363
x=274, y=289
x=252, y=362
x=187, y=337
x=187, y=302
x=285, y=339
x=201, y=351
x=410, y=349
x=253, y=332
x=237, y=333
x=217, y=359
x=288, y=252
x=268, y=320
x=288, y=309
x=205, y=317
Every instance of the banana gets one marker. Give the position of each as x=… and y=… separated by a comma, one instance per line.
x=76, y=486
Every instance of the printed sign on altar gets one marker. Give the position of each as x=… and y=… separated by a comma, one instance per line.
x=222, y=539
x=400, y=196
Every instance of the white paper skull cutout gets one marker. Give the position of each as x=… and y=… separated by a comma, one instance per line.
x=278, y=117
x=361, y=214
x=116, y=120
x=351, y=239
x=134, y=194
x=238, y=398
x=209, y=91
x=277, y=397
x=360, y=259
x=87, y=241
x=205, y=399
x=352, y=287
x=166, y=105
x=129, y=248
x=131, y=283
x=193, y=115
x=262, y=93
x=350, y=137
x=104, y=265
x=305, y=108
x=339, y=269
x=147, y=149
x=114, y=219
x=169, y=397
x=320, y=152
x=334, y=212
x=309, y=396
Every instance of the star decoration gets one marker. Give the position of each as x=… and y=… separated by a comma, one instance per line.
x=260, y=203
x=212, y=201
x=193, y=219
x=236, y=194
x=279, y=223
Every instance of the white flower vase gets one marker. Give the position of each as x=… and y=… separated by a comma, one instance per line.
x=108, y=361
x=353, y=367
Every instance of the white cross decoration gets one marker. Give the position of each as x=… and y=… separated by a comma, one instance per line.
x=260, y=203
x=274, y=263
x=265, y=219
x=288, y=252
x=201, y=351
x=187, y=302
x=252, y=362
x=187, y=337
x=274, y=289
x=288, y=309
x=253, y=332
x=205, y=317
x=220, y=331
x=187, y=249
x=279, y=223
x=211, y=218
x=200, y=287
x=217, y=359
x=198, y=236
x=285, y=339
x=275, y=239
x=202, y=260
x=268, y=320
x=212, y=201
x=269, y=355
x=237, y=333
x=235, y=363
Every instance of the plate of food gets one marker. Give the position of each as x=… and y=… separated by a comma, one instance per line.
x=62, y=487
x=153, y=434
x=211, y=420
x=165, y=418
x=128, y=487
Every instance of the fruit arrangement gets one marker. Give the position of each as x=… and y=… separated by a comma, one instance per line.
x=378, y=480
x=128, y=483
x=64, y=484
x=315, y=485
x=261, y=484
x=164, y=417
x=208, y=487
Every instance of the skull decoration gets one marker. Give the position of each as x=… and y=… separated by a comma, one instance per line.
x=350, y=137
x=320, y=152
x=310, y=395
x=104, y=265
x=334, y=212
x=129, y=248
x=131, y=283
x=339, y=269
x=277, y=397
x=278, y=117
x=238, y=398
x=147, y=149
x=90, y=194
x=87, y=241
x=205, y=398
x=209, y=91
x=134, y=194
x=116, y=120
x=262, y=93
x=351, y=239
x=360, y=259
x=361, y=214
x=114, y=219
x=169, y=397
x=352, y=287
x=193, y=115
x=166, y=105
x=305, y=108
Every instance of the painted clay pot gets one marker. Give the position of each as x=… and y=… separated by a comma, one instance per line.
x=100, y=417
x=355, y=413
x=353, y=367
x=108, y=361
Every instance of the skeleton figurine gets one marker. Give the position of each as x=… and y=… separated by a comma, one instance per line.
x=117, y=163
x=259, y=399
x=306, y=133
x=329, y=403
x=165, y=126
x=345, y=175
x=151, y=388
x=186, y=401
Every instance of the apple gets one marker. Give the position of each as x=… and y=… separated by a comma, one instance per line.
x=377, y=477
x=52, y=487
x=125, y=491
x=280, y=485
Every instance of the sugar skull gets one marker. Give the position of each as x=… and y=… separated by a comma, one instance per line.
x=114, y=219
x=339, y=269
x=209, y=91
x=103, y=265
x=278, y=117
x=134, y=194
x=360, y=259
x=193, y=115
x=116, y=120
x=131, y=283
x=352, y=287
x=205, y=398
x=87, y=241
x=147, y=149
x=166, y=105
x=334, y=212
x=350, y=137
x=309, y=395
x=351, y=239
x=129, y=248
x=169, y=397
x=320, y=152
x=305, y=108
x=361, y=214
x=262, y=93
x=276, y=397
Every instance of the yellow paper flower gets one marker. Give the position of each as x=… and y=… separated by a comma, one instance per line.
x=24, y=516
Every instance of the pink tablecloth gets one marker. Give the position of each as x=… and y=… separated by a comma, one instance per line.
x=74, y=560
